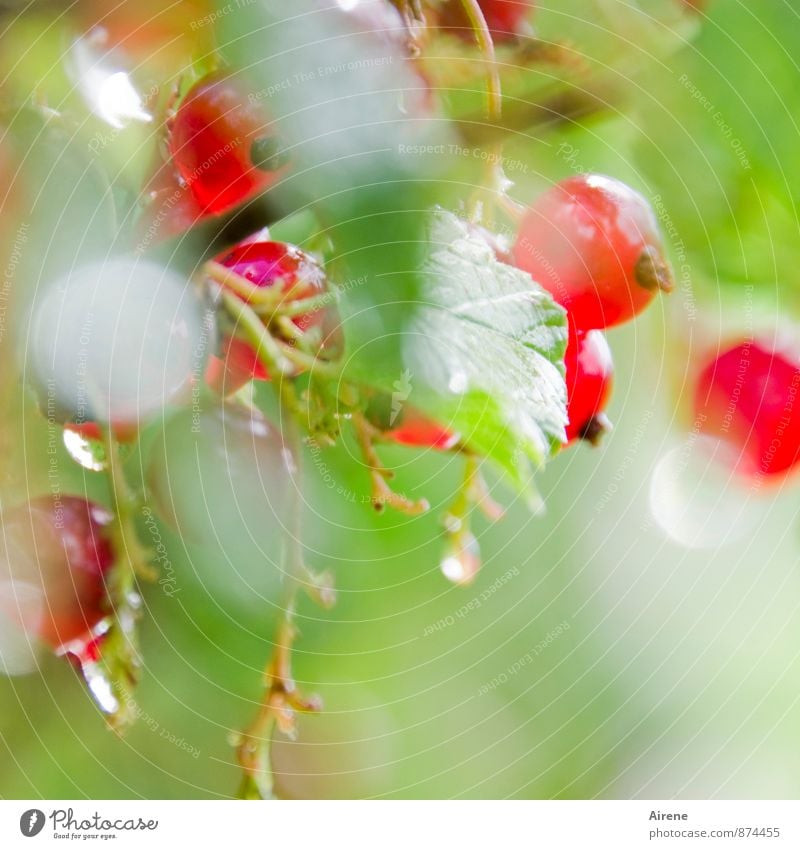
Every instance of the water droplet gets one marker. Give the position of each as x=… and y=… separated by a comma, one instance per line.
x=458, y=382
x=462, y=558
x=106, y=88
x=100, y=688
x=85, y=451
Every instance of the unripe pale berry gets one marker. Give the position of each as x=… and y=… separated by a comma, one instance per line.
x=117, y=341
x=224, y=480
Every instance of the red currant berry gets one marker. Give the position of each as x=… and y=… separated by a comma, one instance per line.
x=421, y=432
x=593, y=243
x=409, y=426
x=92, y=431
x=236, y=365
x=169, y=207
x=504, y=18
x=589, y=376
x=223, y=144
x=266, y=264
x=747, y=398
x=62, y=547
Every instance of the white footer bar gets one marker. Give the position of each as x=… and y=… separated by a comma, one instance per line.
x=403, y=825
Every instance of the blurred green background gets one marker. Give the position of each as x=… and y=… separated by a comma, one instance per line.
x=638, y=639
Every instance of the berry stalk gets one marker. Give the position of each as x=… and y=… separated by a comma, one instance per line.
x=281, y=698
x=483, y=38
x=382, y=493
x=495, y=181
x=286, y=359
x=461, y=560
x=115, y=673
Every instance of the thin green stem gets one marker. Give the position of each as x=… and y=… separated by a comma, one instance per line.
x=309, y=363
x=483, y=37
x=125, y=503
x=281, y=698
x=382, y=493
x=120, y=662
x=235, y=282
x=302, y=306
x=494, y=178
x=289, y=330
x=250, y=325
x=273, y=299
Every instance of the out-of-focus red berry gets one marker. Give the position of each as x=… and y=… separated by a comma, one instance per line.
x=169, y=207
x=417, y=430
x=61, y=546
x=223, y=144
x=747, y=396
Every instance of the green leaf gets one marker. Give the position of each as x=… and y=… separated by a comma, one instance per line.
x=485, y=352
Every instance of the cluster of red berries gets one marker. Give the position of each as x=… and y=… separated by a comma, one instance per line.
x=63, y=545
x=590, y=241
x=296, y=276
x=593, y=243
